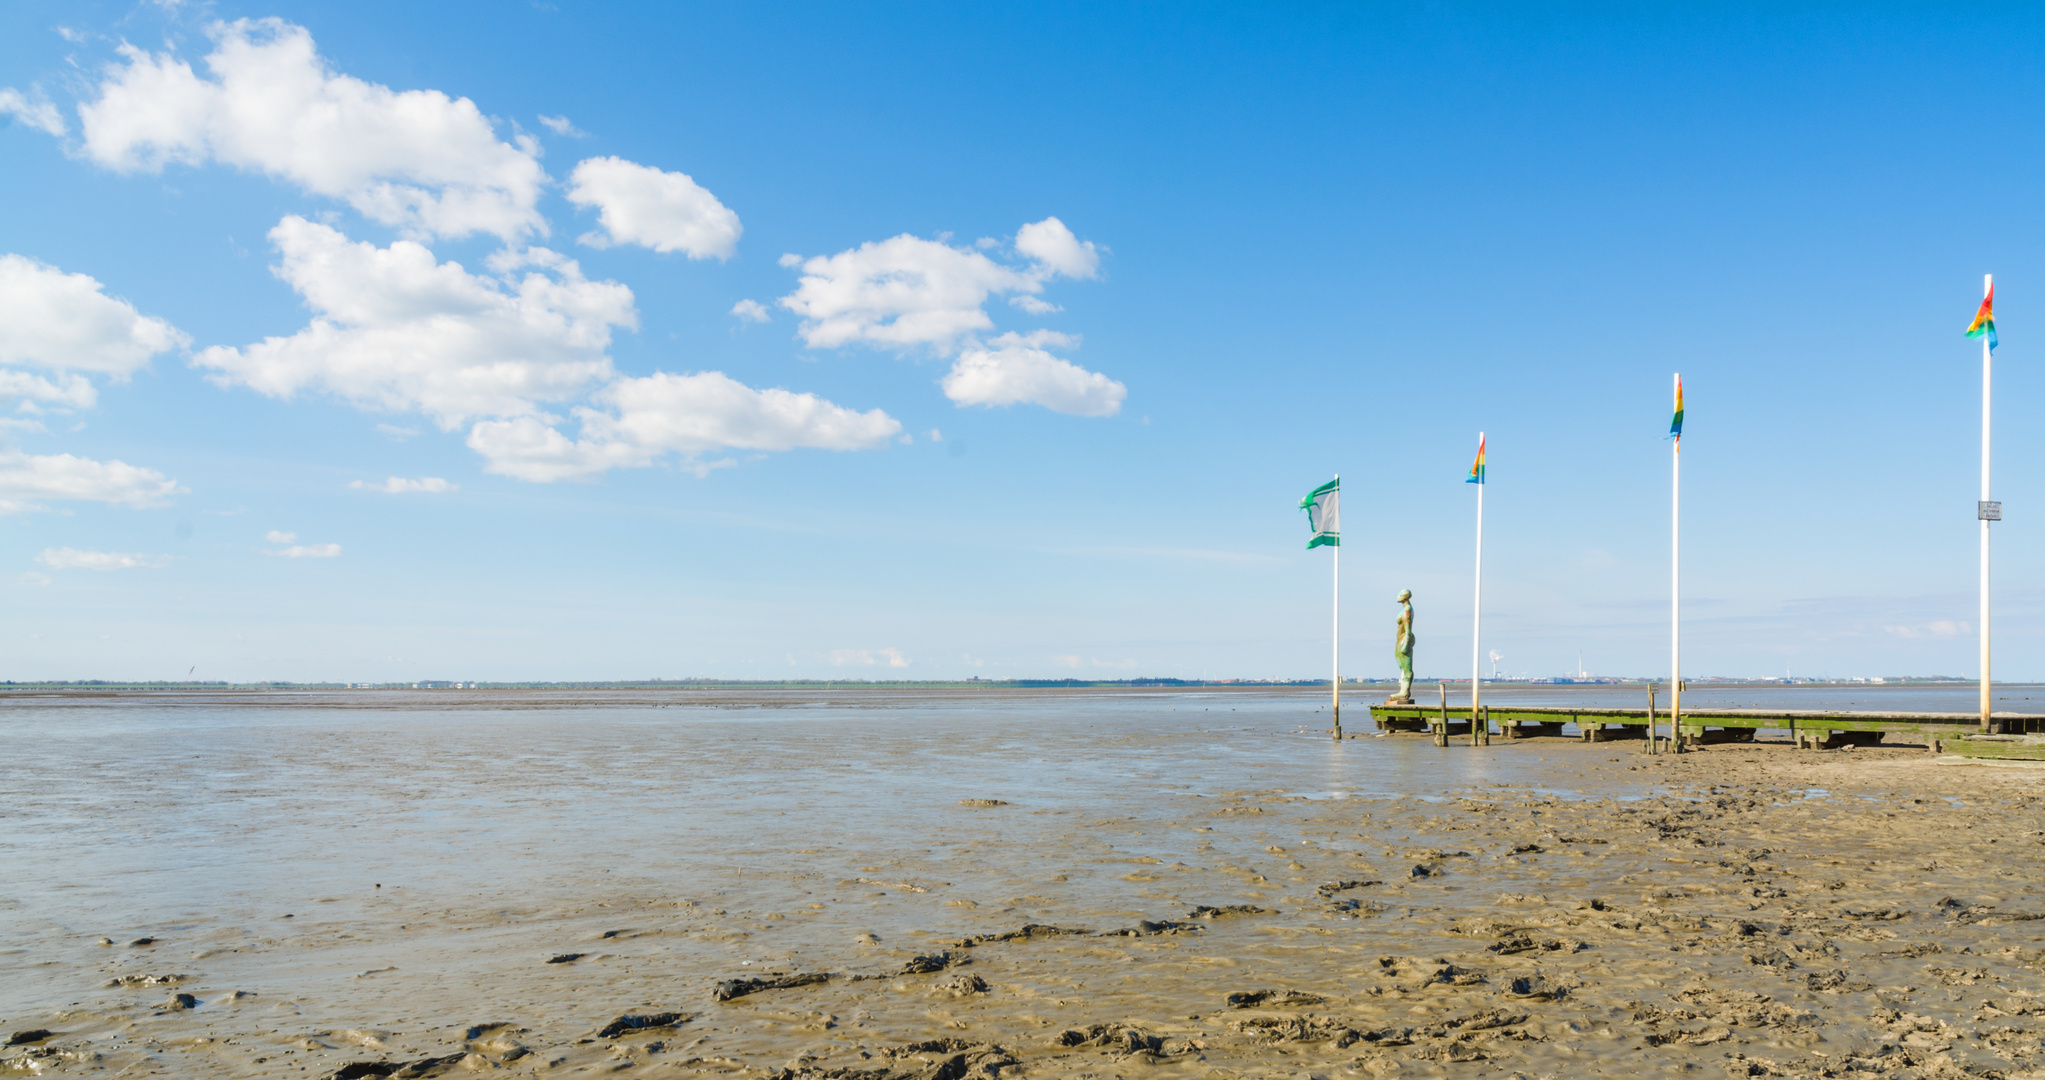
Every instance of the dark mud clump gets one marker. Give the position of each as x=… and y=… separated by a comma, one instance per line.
x=1513, y=944
x=925, y=965
x=963, y=985
x=25, y=1038
x=1333, y=887
x=631, y=1022
x=1125, y=1039
x=567, y=958
x=1028, y=932
x=180, y=1002
x=1288, y=999
x=937, y=1059
x=403, y=1070
x=1147, y=928
x=1206, y=911
x=1318, y=1029
x=729, y=989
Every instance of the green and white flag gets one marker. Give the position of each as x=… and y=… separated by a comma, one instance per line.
x=1324, y=513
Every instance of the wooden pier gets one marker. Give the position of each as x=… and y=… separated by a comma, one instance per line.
x=1942, y=731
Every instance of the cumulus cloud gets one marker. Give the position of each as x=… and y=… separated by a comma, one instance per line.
x=396, y=329
x=26, y=479
x=32, y=392
x=32, y=109
x=909, y=293
x=416, y=159
x=67, y=322
x=751, y=311
x=73, y=559
x=1054, y=248
x=899, y=293
x=665, y=211
x=279, y=536
x=398, y=485
x=1015, y=369
x=642, y=419
x=560, y=125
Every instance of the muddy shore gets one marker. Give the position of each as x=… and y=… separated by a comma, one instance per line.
x=1572, y=910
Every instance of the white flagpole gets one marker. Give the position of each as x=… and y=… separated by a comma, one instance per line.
x=1477, y=614
x=1987, y=288
x=1335, y=656
x=1676, y=589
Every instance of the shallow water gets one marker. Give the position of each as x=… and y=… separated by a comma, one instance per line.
x=380, y=870
x=180, y=809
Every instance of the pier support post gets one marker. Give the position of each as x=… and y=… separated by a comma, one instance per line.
x=1441, y=730
x=1653, y=740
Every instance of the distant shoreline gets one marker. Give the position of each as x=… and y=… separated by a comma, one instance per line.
x=1706, y=682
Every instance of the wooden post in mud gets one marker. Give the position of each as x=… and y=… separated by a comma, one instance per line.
x=1441, y=734
x=1653, y=746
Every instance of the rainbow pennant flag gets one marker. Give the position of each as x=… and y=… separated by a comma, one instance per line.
x=1984, y=320
x=1676, y=421
x=1477, y=468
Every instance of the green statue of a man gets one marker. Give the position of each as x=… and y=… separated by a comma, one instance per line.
x=1402, y=648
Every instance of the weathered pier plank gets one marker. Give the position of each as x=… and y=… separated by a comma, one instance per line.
x=1807, y=727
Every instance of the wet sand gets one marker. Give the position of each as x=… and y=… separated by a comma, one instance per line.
x=1023, y=884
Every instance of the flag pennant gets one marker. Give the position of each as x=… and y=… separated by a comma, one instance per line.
x=1676, y=421
x=1324, y=514
x=1984, y=320
x=1477, y=467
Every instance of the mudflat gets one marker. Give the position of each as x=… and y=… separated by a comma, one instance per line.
x=951, y=884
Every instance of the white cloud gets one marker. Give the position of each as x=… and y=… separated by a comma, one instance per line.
x=33, y=391
x=73, y=559
x=1053, y=246
x=1015, y=370
x=869, y=657
x=751, y=311
x=417, y=159
x=26, y=478
x=33, y=578
x=690, y=415
x=395, y=329
x=900, y=294
x=309, y=551
x=665, y=211
x=32, y=109
x=279, y=536
x=67, y=322
x=398, y=485
x=908, y=293
x=560, y=125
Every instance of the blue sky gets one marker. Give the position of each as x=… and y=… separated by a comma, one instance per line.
x=562, y=341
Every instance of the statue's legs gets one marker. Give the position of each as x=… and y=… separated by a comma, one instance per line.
x=1405, y=675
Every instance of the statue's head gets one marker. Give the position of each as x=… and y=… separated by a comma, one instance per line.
x=1405, y=595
